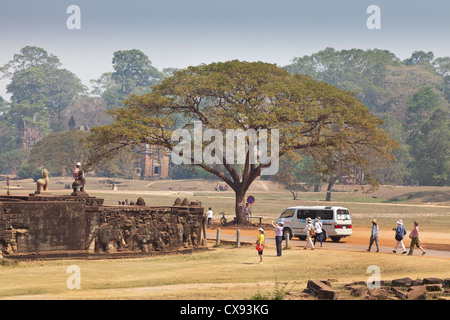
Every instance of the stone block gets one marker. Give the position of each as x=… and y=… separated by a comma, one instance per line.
x=324, y=291
x=417, y=293
x=403, y=282
x=377, y=294
x=433, y=287
x=358, y=290
x=328, y=294
x=402, y=294
x=432, y=281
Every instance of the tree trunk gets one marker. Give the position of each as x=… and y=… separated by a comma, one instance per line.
x=331, y=183
x=239, y=202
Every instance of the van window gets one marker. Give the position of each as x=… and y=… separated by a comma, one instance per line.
x=342, y=215
x=325, y=214
x=303, y=214
x=288, y=213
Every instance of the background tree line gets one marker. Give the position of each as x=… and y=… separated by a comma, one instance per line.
x=411, y=97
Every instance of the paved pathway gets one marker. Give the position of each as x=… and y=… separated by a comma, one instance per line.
x=211, y=235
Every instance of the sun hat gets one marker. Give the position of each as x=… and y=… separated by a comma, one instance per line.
x=400, y=222
x=78, y=163
x=261, y=229
x=308, y=220
x=374, y=220
x=281, y=222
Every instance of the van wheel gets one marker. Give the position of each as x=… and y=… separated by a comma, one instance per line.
x=335, y=239
x=302, y=238
x=287, y=233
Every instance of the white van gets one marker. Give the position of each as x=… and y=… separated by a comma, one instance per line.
x=336, y=221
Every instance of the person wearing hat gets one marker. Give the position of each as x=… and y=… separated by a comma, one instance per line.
x=374, y=235
x=260, y=241
x=78, y=174
x=308, y=230
x=278, y=236
x=400, y=232
x=318, y=231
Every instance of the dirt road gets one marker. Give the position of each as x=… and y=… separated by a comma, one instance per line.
x=435, y=244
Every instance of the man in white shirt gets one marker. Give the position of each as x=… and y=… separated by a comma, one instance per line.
x=318, y=231
x=209, y=215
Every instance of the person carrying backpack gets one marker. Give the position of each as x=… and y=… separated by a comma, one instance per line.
x=318, y=231
x=400, y=233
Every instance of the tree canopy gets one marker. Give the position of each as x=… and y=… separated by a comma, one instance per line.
x=308, y=114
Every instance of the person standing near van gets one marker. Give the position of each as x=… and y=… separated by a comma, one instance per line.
x=374, y=235
x=308, y=229
x=278, y=236
x=400, y=232
x=318, y=231
x=414, y=236
x=260, y=243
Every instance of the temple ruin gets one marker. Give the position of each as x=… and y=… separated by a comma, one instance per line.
x=43, y=224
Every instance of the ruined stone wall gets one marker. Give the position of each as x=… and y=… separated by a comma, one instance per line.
x=63, y=223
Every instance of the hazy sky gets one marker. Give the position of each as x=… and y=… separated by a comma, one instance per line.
x=179, y=33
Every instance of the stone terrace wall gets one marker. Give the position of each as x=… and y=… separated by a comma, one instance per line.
x=45, y=223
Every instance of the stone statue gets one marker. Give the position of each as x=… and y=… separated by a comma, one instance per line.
x=42, y=184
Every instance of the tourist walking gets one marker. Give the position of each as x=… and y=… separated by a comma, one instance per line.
x=308, y=230
x=374, y=235
x=260, y=244
x=414, y=236
x=278, y=236
x=400, y=233
x=209, y=215
x=318, y=231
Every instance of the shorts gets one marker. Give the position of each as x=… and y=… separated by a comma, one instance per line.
x=260, y=252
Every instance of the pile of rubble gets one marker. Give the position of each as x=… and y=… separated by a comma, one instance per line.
x=397, y=289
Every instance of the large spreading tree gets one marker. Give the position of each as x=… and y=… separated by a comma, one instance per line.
x=257, y=96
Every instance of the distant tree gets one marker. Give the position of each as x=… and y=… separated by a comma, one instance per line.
x=442, y=67
x=431, y=150
x=133, y=69
x=59, y=152
x=296, y=173
x=420, y=107
x=419, y=57
x=11, y=161
x=39, y=90
x=356, y=70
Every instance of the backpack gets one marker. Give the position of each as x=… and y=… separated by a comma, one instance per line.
x=312, y=231
x=400, y=233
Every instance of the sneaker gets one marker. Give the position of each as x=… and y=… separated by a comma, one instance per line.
x=409, y=254
x=394, y=251
x=423, y=253
x=403, y=252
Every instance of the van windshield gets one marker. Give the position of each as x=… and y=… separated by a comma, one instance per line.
x=288, y=213
x=342, y=215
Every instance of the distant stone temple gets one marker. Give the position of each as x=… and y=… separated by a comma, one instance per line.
x=154, y=163
x=28, y=137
